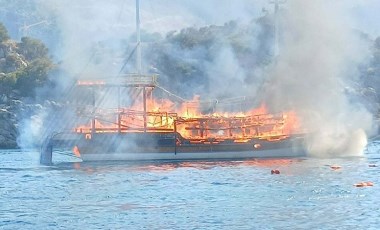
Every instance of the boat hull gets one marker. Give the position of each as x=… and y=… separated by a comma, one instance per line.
x=127, y=156
x=128, y=147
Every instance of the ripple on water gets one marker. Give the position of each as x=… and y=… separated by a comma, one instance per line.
x=189, y=195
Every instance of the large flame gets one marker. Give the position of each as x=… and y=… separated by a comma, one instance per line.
x=165, y=116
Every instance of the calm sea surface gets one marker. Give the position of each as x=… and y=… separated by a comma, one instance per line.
x=308, y=194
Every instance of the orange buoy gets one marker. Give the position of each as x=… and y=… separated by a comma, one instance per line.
x=368, y=183
x=76, y=151
x=335, y=167
x=275, y=171
x=364, y=184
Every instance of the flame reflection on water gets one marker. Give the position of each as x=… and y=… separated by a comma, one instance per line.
x=158, y=166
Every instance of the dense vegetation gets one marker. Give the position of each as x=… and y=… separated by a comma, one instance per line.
x=189, y=60
x=182, y=58
x=24, y=65
x=371, y=75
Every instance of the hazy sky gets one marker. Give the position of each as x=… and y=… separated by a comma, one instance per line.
x=165, y=15
x=366, y=15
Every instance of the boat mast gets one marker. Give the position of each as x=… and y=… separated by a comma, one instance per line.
x=138, y=60
x=138, y=38
x=276, y=4
x=276, y=48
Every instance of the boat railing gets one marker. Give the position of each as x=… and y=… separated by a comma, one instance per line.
x=126, y=80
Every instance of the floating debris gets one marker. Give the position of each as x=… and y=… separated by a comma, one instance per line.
x=335, y=167
x=275, y=171
x=364, y=184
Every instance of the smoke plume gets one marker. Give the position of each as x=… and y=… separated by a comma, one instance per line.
x=313, y=75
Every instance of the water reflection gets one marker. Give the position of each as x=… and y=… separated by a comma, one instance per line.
x=163, y=166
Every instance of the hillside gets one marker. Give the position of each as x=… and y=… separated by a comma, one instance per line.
x=215, y=62
x=24, y=67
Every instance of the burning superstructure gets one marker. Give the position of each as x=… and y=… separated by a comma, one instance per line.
x=147, y=114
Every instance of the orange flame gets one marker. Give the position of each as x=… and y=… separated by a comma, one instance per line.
x=76, y=151
x=187, y=120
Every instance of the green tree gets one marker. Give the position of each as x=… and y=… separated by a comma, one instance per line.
x=33, y=76
x=13, y=62
x=7, y=82
x=3, y=33
x=377, y=43
x=32, y=48
x=24, y=66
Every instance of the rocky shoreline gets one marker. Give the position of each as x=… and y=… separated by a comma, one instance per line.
x=8, y=129
x=19, y=119
x=9, y=122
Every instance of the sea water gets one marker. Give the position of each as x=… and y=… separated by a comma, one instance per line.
x=307, y=194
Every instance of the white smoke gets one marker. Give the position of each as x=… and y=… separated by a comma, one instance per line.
x=319, y=54
x=83, y=23
x=225, y=75
x=32, y=126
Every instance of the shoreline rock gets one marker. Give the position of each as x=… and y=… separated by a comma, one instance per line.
x=8, y=128
x=16, y=122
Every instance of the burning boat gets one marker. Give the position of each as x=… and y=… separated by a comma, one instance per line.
x=151, y=129
x=146, y=128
